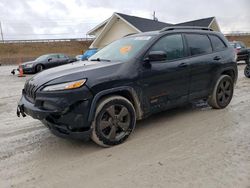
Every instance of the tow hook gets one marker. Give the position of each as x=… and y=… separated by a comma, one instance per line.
x=20, y=110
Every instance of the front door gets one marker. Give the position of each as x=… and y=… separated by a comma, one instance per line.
x=165, y=84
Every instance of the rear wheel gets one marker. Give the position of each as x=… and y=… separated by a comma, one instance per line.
x=114, y=121
x=222, y=93
x=247, y=71
x=39, y=68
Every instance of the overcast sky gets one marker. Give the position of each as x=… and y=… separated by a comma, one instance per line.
x=30, y=19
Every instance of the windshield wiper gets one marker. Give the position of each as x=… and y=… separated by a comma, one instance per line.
x=99, y=59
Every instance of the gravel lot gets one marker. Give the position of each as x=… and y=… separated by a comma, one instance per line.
x=193, y=146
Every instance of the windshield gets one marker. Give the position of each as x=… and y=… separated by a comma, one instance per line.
x=122, y=49
x=42, y=58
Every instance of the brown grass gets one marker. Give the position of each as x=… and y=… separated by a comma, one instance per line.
x=14, y=53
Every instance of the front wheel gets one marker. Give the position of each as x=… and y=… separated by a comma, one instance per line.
x=39, y=68
x=247, y=71
x=222, y=93
x=115, y=119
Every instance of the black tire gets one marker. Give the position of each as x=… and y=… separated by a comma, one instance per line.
x=222, y=92
x=115, y=119
x=248, y=59
x=247, y=71
x=39, y=68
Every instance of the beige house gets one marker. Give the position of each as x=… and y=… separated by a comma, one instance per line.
x=120, y=25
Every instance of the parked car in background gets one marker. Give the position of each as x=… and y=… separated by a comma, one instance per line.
x=243, y=53
x=46, y=61
x=130, y=79
x=79, y=57
x=88, y=53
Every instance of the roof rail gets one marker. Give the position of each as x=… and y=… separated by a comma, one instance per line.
x=185, y=27
x=129, y=34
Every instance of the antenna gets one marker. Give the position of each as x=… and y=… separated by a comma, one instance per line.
x=154, y=17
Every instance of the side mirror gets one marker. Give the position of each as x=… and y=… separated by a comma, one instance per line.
x=50, y=59
x=156, y=56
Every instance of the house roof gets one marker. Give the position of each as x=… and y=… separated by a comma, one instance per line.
x=144, y=24
x=138, y=25
x=205, y=22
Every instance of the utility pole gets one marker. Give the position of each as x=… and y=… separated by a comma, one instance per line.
x=1, y=30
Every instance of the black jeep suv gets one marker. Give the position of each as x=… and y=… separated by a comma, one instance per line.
x=130, y=79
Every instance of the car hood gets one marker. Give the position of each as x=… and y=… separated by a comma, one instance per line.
x=92, y=71
x=28, y=62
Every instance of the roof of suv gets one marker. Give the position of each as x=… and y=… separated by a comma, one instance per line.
x=177, y=29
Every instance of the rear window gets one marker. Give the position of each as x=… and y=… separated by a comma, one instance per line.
x=217, y=43
x=198, y=44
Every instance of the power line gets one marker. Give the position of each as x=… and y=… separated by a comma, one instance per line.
x=34, y=34
x=51, y=21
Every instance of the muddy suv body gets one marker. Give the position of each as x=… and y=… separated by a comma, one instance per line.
x=129, y=80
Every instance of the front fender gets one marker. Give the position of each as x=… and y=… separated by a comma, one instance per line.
x=107, y=92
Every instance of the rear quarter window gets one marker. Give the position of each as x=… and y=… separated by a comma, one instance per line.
x=217, y=43
x=198, y=44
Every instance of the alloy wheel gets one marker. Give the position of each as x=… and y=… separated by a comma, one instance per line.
x=247, y=71
x=115, y=122
x=224, y=92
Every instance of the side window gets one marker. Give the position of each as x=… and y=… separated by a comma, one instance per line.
x=54, y=56
x=172, y=45
x=217, y=43
x=198, y=44
x=61, y=56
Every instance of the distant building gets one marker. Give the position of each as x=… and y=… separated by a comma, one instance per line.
x=120, y=25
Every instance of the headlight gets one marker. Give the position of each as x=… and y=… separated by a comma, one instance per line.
x=29, y=65
x=65, y=86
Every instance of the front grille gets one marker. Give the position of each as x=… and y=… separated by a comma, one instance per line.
x=30, y=91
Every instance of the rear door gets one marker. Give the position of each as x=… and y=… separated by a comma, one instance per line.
x=201, y=59
x=165, y=83
x=62, y=59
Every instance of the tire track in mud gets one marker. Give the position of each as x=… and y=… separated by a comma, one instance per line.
x=20, y=131
x=23, y=142
x=180, y=147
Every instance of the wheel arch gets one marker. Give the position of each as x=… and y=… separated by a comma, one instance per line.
x=126, y=92
x=230, y=72
x=38, y=65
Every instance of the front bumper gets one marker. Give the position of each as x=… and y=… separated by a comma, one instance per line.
x=64, y=132
x=27, y=70
x=65, y=116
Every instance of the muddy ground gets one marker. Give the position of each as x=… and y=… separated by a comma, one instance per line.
x=193, y=146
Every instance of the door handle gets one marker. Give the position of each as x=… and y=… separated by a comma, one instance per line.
x=183, y=65
x=217, y=58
